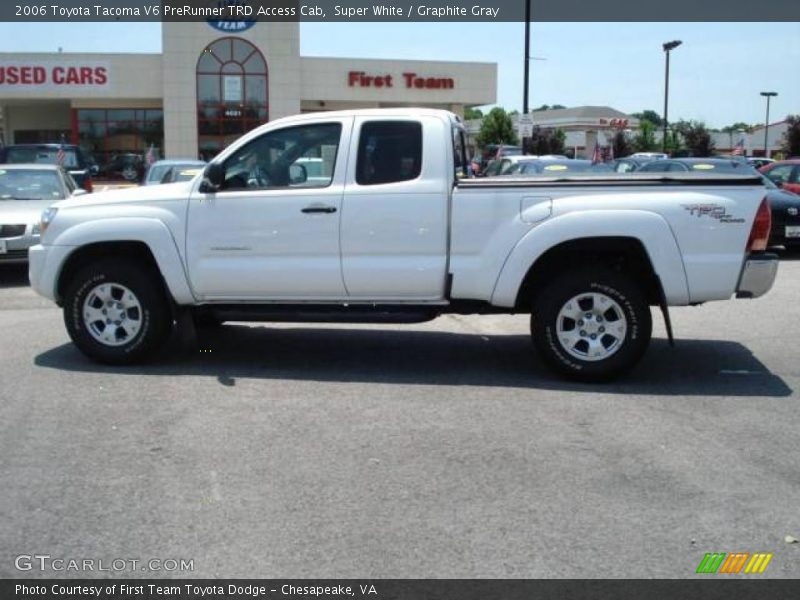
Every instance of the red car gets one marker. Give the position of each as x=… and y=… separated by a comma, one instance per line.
x=785, y=174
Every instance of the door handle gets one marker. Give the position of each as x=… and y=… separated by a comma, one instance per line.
x=318, y=208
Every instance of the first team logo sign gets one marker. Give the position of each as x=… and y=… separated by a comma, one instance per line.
x=230, y=25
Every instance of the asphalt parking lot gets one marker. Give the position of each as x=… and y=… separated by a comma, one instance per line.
x=436, y=450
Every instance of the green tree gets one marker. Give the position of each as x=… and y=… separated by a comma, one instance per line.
x=497, y=128
x=472, y=113
x=546, y=141
x=650, y=116
x=645, y=139
x=791, y=139
x=621, y=145
x=696, y=137
x=548, y=107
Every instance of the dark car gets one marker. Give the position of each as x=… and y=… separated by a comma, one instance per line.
x=75, y=160
x=785, y=204
x=128, y=166
x=557, y=168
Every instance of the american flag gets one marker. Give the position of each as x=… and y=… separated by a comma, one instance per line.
x=597, y=155
x=150, y=157
x=61, y=156
x=738, y=149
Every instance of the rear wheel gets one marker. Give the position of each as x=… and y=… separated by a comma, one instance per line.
x=116, y=311
x=592, y=324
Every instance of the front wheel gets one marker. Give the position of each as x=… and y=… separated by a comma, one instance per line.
x=592, y=324
x=116, y=312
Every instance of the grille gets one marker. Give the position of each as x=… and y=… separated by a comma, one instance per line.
x=9, y=231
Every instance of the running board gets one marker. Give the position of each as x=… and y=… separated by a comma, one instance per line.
x=322, y=313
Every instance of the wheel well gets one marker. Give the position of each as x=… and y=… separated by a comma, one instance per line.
x=91, y=252
x=617, y=253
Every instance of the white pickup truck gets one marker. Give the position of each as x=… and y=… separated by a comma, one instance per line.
x=386, y=228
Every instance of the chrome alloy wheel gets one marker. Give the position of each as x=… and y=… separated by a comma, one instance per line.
x=591, y=326
x=112, y=314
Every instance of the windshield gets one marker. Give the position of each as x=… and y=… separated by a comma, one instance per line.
x=553, y=168
x=42, y=156
x=30, y=184
x=157, y=172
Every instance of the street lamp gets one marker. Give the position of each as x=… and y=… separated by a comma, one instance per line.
x=668, y=46
x=767, y=95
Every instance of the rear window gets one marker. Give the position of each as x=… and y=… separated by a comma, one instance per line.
x=389, y=151
x=46, y=156
x=30, y=184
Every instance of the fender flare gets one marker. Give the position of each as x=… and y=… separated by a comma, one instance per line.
x=649, y=228
x=151, y=232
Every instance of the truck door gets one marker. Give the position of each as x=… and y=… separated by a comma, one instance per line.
x=396, y=209
x=272, y=231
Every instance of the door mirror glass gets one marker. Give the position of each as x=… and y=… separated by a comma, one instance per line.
x=298, y=174
x=213, y=178
x=79, y=192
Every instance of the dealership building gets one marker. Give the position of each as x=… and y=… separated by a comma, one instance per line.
x=213, y=81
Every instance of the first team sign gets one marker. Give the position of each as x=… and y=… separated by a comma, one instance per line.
x=53, y=75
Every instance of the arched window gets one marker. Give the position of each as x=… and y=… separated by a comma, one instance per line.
x=232, y=83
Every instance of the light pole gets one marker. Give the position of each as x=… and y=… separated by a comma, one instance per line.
x=668, y=46
x=767, y=95
x=527, y=65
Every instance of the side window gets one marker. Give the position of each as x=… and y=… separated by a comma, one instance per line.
x=295, y=157
x=780, y=174
x=389, y=151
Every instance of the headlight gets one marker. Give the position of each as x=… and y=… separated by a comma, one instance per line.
x=47, y=217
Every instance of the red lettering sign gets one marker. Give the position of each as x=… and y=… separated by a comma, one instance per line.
x=412, y=81
x=24, y=75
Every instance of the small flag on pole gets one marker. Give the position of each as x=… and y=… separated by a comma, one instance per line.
x=738, y=149
x=150, y=157
x=61, y=156
x=597, y=155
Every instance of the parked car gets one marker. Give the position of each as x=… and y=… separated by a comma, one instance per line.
x=128, y=166
x=395, y=236
x=75, y=160
x=785, y=205
x=649, y=155
x=629, y=164
x=175, y=174
x=501, y=166
x=759, y=161
x=556, y=168
x=784, y=174
x=492, y=152
x=156, y=172
x=25, y=191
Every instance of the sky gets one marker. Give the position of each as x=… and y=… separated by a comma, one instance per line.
x=715, y=76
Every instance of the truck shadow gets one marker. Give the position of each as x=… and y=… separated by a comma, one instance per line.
x=232, y=352
x=14, y=275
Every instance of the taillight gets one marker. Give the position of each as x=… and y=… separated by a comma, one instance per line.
x=87, y=184
x=759, y=234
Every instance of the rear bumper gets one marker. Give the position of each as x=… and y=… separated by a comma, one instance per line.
x=758, y=275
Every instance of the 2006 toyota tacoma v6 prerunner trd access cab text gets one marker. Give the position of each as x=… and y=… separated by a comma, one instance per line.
x=363, y=216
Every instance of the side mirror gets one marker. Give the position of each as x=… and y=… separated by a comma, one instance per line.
x=297, y=174
x=213, y=178
x=80, y=192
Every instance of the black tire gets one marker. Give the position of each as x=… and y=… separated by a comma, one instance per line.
x=627, y=349
x=154, y=319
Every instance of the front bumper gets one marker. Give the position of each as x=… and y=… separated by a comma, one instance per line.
x=758, y=275
x=44, y=266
